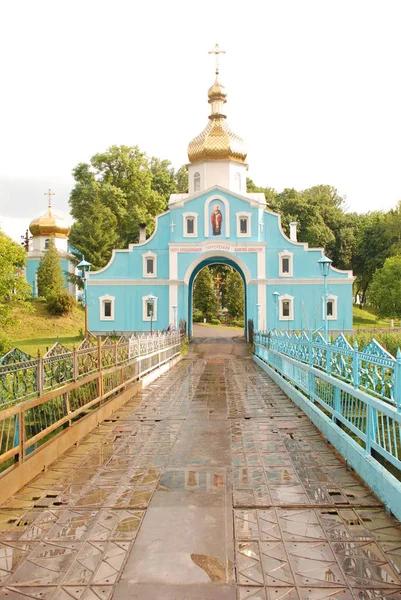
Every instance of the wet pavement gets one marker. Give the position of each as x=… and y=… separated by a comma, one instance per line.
x=209, y=484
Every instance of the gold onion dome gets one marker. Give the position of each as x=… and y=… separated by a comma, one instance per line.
x=49, y=224
x=217, y=141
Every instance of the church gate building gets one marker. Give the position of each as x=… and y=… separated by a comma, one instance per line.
x=218, y=221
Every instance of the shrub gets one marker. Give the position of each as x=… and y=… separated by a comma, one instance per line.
x=238, y=322
x=60, y=302
x=197, y=316
x=215, y=321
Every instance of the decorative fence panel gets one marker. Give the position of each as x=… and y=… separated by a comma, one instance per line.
x=24, y=426
x=358, y=390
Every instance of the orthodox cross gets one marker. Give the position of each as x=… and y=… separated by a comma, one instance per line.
x=49, y=194
x=172, y=225
x=217, y=52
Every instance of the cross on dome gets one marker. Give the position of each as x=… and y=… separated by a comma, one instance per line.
x=217, y=53
x=49, y=195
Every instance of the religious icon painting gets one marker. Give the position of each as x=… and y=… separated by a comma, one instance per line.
x=216, y=217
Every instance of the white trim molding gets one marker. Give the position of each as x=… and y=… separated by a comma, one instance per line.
x=144, y=309
x=226, y=221
x=189, y=215
x=290, y=256
x=282, y=299
x=144, y=264
x=248, y=217
x=333, y=299
x=102, y=302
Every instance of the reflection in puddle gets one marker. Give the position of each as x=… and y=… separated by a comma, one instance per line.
x=191, y=481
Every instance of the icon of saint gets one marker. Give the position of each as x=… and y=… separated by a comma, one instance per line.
x=217, y=220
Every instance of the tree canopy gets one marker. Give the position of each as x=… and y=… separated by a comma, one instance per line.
x=13, y=285
x=49, y=273
x=384, y=291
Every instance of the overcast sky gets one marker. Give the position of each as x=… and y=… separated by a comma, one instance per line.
x=313, y=88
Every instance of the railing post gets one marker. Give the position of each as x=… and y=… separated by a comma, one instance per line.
x=21, y=435
x=337, y=405
x=75, y=372
x=328, y=357
x=40, y=374
x=311, y=379
x=355, y=366
x=99, y=353
x=397, y=381
x=370, y=428
x=115, y=353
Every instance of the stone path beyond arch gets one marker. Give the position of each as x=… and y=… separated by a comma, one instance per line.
x=210, y=484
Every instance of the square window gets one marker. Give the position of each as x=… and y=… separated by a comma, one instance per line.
x=285, y=264
x=330, y=308
x=243, y=225
x=107, y=308
x=190, y=225
x=286, y=308
x=149, y=266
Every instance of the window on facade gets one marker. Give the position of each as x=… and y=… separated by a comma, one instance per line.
x=149, y=309
x=196, y=182
x=243, y=225
x=47, y=242
x=330, y=308
x=285, y=308
x=190, y=225
x=285, y=264
x=150, y=266
x=107, y=308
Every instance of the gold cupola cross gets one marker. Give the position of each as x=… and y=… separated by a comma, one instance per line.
x=217, y=53
x=49, y=195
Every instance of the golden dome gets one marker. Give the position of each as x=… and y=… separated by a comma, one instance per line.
x=49, y=224
x=217, y=141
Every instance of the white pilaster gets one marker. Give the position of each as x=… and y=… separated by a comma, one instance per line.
x=173, y=264
x=261, y=266
x=262, y=303
x=173, y=301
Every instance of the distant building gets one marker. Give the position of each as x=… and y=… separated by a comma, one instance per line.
x=217, y=221
x=42, y=229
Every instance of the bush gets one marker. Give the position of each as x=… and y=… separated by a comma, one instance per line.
x=238, y=322
x=215, y=321
x=60, y=303
x=197, y=316
x=4, y=343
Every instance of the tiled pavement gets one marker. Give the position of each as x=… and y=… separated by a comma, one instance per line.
x=210, y=484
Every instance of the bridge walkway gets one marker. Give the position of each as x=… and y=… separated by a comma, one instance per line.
x=209, y=484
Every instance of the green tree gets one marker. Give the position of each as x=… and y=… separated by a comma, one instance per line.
x=204, y=296
x=13, y=285
x=181, y=178
x=234, y=293
x=384, y=291
x=131, y=186
x=49, y=273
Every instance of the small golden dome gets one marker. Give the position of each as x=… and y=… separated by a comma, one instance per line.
x=49, y=224
x=217, y=90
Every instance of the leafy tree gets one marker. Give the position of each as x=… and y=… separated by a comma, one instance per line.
x=204, y=296
x=384, y=291
x=181, y=179
x=235, y=294
x=49, y=273
x=13, y=286
x=95, y=235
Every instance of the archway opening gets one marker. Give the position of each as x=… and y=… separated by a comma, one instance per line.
x=217, y=296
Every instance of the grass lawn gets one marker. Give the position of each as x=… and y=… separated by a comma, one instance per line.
x=367, y=318
x=35, y=329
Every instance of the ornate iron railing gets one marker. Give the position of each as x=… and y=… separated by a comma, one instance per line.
x=81, y=384
x=358, y=390
x=371, y=369
x=23, y=377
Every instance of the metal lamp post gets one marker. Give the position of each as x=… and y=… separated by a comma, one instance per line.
x=85, y=267
x=151, y=302
x=275, y=297
x=175, y=315
x=258, y=311
x=324, y=264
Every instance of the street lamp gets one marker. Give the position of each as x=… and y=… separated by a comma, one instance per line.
x=275, y=298
x=324, y=264
x=85, y=267
x=175, y=315
x=258, y=311
x=151, y=303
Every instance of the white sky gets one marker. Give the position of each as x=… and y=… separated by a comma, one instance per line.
x=313, y=88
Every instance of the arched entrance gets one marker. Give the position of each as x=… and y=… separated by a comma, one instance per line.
x=216, y=260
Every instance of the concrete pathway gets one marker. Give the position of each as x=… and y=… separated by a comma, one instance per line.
x=208, y=485
x=205, y=331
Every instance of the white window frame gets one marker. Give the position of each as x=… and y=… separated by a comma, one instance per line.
x=290, y=256
x=244, y=215
x=144, y=312
x=333, y=299
x=286, y=298
x=197, y=181
x=102, y=300
x=144, y=269
x=193, y=216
